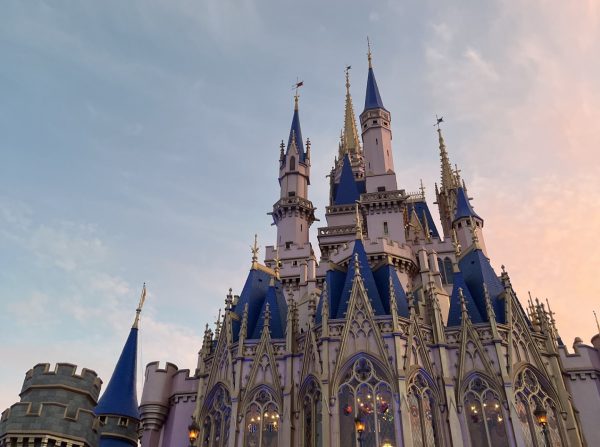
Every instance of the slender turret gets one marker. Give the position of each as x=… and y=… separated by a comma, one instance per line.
x=117, y=409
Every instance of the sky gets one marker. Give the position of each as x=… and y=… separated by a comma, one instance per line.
x=139, y=143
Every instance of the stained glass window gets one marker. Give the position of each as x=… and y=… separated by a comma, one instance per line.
x=311, y=406
x=484, y=414
x=261, y=421
x=421, y=405
x=215, y=428
x=364, y=394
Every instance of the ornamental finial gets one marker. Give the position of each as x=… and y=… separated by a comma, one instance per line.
x=255, y=250
x=138, y=311
x=358, y=220
x=369, y=54
x=277, y=263
x=597, y=324
x=455, y=244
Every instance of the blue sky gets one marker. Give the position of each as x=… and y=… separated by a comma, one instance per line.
x=139, y=142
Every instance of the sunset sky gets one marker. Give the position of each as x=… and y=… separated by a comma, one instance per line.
x=139, y=142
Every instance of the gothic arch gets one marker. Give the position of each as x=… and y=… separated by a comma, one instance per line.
x=532, y=390
x=365, y=391
x=261, y=415
x=378, y=363
x=423, y=401
x=484, y=410
x=310, y=408
x=216, y=417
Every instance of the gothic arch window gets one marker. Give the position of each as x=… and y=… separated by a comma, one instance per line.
x=312, y=415
x=442, y=271
x=449, y=269
x=262, y=421
x=217, y=418
x=292, y=163
x=364, y=393
x=529, y=394
x=422, y=404
x=484, y=414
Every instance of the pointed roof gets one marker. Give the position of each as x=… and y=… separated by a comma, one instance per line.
x=455, y=312
x=347, y=189
x=296, y=132
x=382, y=278
x=368, y=281
x=350, y=138
x=463, y=207
x=372, y=98
x=477, y=271
x=120, y=396
x=425, y=217
x=278, y=308
x=333, y=286
x=448, y=180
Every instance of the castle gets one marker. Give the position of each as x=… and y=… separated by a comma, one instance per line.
x=401, y=334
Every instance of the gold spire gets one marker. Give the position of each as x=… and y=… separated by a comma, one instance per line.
x=447, y=173
x=357, y=218
x=254, y=250
x=277, y=264
x=369, y=55
x=138, y=311
x=350, y=140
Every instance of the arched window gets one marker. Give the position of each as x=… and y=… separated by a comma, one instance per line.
x=262, y=421
x=292, y=163
x=218, y=418
x=484, y=414
x=363, y=393
x=312, y=416
x=442, y=271
x=529, y=394
x=422, y=405
x=449, y=269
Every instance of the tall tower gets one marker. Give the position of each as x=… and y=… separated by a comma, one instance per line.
x=117, y=409
x=293, y=213
x=446, y=194
x=377, y=139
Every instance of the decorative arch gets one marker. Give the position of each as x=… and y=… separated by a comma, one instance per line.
x=423, y=400
x=364, y=392
x=262, y=418
x=312, y=415
x=484, y=414
x=216, y=417
x=533, y=390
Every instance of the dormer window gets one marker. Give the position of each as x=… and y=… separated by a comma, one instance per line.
x=292, y=163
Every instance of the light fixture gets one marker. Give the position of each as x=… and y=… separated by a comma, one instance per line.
x=193, y=431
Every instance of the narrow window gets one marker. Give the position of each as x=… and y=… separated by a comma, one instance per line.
x=291, y=193
x=380, y=188
x=385, y=228
x=288, y=245
x=376, y=141
x=292, y=163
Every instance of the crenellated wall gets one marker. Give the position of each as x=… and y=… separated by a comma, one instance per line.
x=56, y=403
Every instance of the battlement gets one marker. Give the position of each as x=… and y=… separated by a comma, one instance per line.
x=63, y=375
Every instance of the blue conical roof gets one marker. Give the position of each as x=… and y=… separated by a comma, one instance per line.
x=372, y=98
x=347, y=190
x=278, y=309
x=455, y=312
x=368, y=281
x=463, y=207
x=296, y=133
x=120, y=396
x=382, y=279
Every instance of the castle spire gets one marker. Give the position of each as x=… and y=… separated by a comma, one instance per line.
x=295, y=137
x=120, y=397
x=448, y=178
x=372, y=98
x=350, y=140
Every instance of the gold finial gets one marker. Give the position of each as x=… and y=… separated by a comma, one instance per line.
x=597, y=324
x=455, y=244
x=359, y=234
x=426, y=229
x=369, y=55
x=347, y=71
x=356, y=265
x=463, y=305
x=277, y=263
x=281, y=151
x=255, y=250
x=138, y=311
x=422, y=189
x=473, y=228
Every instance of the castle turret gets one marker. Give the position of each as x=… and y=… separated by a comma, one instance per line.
x=377, y=139
x=293, y=213
x=117, y=409
x=467, y=223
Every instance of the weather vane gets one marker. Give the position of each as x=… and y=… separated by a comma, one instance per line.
x=438, y=121
x=296, y=86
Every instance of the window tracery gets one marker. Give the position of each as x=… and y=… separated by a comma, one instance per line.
x=217, y=420
x=421, y=403
x=484, y=414
x=364, y=393
x=262, y=421
x=529, y=394
x=312, y=416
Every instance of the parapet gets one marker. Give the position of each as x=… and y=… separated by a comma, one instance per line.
x=64, y=375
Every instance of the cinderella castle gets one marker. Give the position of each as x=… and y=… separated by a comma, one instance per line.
x=402, y=333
